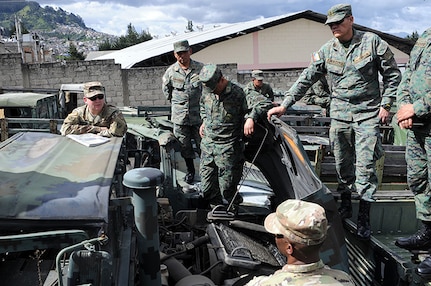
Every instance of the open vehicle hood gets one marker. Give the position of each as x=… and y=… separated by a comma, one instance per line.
x=51, y=178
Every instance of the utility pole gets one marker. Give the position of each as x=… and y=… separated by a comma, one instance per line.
x=19, y=36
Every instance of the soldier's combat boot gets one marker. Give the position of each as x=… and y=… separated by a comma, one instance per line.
x=363, y=230
x=424, y=268
x=190, y=171
x=345, y=209
x=421, y=240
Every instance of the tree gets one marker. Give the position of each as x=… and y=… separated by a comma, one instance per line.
x=413, y=37
x=74, y=54
x=131, y=38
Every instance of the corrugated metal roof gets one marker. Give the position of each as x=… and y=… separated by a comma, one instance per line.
x=128, y=57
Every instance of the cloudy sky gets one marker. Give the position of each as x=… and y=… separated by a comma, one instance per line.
x=163, y=17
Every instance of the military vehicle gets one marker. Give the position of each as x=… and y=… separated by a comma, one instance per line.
x=28, y=110
x=68, y=220
x=73, y=215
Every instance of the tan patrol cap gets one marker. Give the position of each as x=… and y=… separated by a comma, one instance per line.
x=93, y=88
x=299, y=221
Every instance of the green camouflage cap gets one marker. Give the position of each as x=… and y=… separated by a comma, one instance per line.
x=93, y=88
x=299, y=221
x=210, y=75
x=181, y=46
x=338, y=12
x=257, y=74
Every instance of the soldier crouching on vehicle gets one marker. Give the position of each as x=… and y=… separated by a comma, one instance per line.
x=95, y=116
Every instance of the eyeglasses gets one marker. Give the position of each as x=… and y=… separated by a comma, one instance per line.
x=338, y=22
x=278, y=235
x=99, y=96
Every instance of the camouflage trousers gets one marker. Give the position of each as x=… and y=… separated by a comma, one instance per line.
x=220, y=171
x=356, y=147
x=185, y=134
x=418, y=158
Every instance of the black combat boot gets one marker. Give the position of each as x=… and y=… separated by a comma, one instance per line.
x=363, y=230
x=424, y=268
x=345, y=209
x=421, y=240
x=190, y=171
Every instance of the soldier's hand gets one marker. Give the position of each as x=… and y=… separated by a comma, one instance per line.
x=249, y=127
x=201, y=130
x=405, y=112
x=278, y=111
x=383, y=115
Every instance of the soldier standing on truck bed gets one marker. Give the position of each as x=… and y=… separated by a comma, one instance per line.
x=414, y=114
x=95, y=116
x=182, y=88
x=352, y=61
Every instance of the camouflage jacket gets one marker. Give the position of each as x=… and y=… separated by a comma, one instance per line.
x=309, y=274
x=353, y=73
x=81, y=121
x=223, y=116
x=318, y=93
x=265, y=90
x=415, y=87
x=184, y=90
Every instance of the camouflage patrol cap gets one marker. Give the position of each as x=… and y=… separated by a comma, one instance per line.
x=257, y=74
x=210, y=75
x=181, y=46
x=93, y=88
x=299, y=221
x=338, y=12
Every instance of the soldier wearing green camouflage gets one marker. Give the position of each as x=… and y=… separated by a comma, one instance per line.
x=352, y=61
x=224, y=108
x=95, y=116
x=182, y=88
x=300, y=229
x=257, y=84
x=414, y=114
x=319, y=94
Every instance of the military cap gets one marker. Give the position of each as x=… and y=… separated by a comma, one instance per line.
x=298, y=221
x=257, y=74
x=181, y=46
x=338, y=12
x=210, y=75
x=93, y=88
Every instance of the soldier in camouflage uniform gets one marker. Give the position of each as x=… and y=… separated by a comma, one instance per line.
x=300, y=229
x=414, y=114
x=257, y=84
x=352, y=60
x=224, y=108
x=182, y=88
x=319, y=94
x=95, y=116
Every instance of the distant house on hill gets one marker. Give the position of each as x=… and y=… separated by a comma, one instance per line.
x=276, y=43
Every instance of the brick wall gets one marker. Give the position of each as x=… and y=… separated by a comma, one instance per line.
x=131, y=87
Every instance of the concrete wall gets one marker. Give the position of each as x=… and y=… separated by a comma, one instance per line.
x=131, y=87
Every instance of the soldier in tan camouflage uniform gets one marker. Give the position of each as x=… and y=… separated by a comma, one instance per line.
x=227, y=115
x=300, y=229
x=352, y=60
x=95, y=116
x=181, y=86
